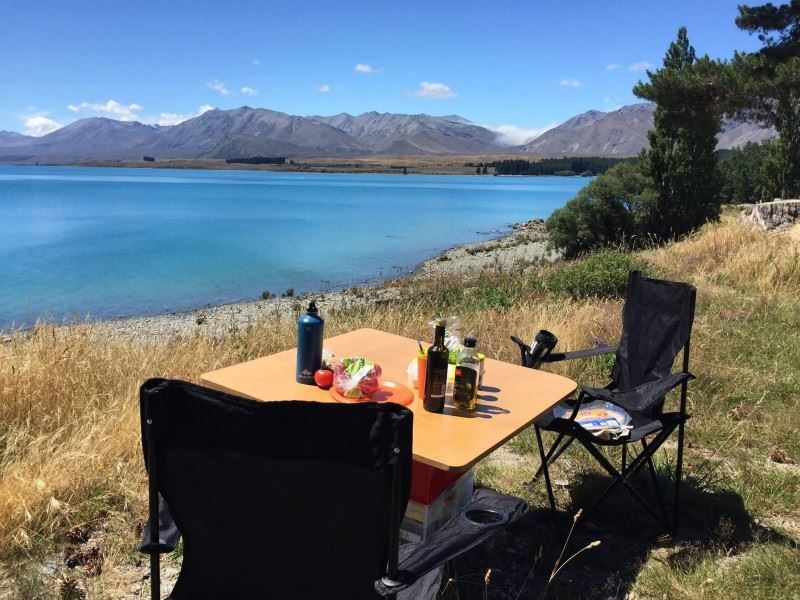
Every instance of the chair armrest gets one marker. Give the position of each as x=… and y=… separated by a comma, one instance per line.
x=456, y=537
x=559, y=356
x=524, y=349
x=168, y=533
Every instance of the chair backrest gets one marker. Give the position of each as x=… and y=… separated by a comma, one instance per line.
x=656, y=324
x=277, y=499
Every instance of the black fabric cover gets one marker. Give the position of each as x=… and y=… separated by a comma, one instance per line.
x=656, y=324
x=455, y=538
x=642, y=397
x=286, y=500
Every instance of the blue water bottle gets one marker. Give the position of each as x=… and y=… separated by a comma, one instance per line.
x=309, y=344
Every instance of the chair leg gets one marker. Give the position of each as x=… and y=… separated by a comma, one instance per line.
x=678, y=477
x=624, y=456
x=450, y=574
x=546, y=472
x=622, y=478
x=155, y=577
x=554, y=453
x=657, y=487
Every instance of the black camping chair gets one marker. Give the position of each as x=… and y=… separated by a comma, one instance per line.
x=657, y=324
x=289, y=499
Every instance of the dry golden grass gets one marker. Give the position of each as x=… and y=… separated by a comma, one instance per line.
x=69, y=430
x=68, y=398
x=737, y=256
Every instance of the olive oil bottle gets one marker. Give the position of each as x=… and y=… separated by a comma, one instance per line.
x=465, y=388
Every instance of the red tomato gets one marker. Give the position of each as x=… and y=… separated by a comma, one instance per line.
x=323, y=378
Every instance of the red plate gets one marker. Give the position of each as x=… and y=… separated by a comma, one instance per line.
x=389, y=391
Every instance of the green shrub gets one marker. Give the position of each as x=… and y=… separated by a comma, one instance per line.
x=603, y=274
x=493, y=297
x=608, y=212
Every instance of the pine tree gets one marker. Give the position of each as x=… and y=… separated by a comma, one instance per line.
x=690, y=94
x=770, y=80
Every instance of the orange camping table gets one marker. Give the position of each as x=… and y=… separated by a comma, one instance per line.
x=511, y=398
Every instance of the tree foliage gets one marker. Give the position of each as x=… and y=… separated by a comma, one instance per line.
x=610, y=211
x=770, y=82
x=691, y=95
x=750, y=173
x=583, y=165
x=258, y=160
x=778, y=28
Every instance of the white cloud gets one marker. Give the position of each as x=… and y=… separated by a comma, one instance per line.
x=612, y=103
x=256, y=62
x=38, y=125
x=248, y=91
x=571, y=83
x=324, y=88
x=612, y=67
x=642, y=65
x=111, y=109
x=513, y=135
x=363, y=68
x=218, y=86
x=431, y=89
x=166, y=118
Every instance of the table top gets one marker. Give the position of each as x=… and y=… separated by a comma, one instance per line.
x=511, y=397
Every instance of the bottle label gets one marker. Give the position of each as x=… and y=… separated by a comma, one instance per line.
x=435, y=381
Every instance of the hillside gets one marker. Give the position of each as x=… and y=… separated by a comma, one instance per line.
x=623, y=132
x=246, y=131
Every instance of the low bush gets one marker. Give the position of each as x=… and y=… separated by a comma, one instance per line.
x=612, y=210
x=600, y=275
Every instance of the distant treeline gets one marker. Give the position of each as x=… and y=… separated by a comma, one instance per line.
x=586, y=166
x=258, y=160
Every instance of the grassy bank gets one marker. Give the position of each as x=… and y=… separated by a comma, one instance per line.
x=72, y=487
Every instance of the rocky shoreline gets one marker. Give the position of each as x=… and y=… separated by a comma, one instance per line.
x=526, y=245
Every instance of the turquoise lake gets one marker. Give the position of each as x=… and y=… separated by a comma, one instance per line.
x=102, y=242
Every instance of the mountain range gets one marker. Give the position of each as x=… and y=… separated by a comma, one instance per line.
x=246, y=131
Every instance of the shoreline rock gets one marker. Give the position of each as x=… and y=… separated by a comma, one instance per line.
x=776, y=215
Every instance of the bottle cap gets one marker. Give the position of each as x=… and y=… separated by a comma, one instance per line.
x=441, y=322
x=470, y=342
x=312, y=308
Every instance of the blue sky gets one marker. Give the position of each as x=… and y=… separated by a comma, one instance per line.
x=518, y=66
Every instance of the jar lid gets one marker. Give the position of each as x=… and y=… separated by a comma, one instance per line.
x=470, y=342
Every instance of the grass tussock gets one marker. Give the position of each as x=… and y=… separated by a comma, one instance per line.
x=734, y=256
x=69, y=430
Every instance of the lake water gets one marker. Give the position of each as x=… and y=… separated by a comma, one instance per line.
x=104, y=242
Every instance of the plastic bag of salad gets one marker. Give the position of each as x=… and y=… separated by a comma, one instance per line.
x=356, y=377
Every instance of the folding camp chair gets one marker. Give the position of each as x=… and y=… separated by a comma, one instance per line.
x=289, y=499
x=657, y=324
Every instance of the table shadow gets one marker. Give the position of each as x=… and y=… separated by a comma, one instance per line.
x=482, y=411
